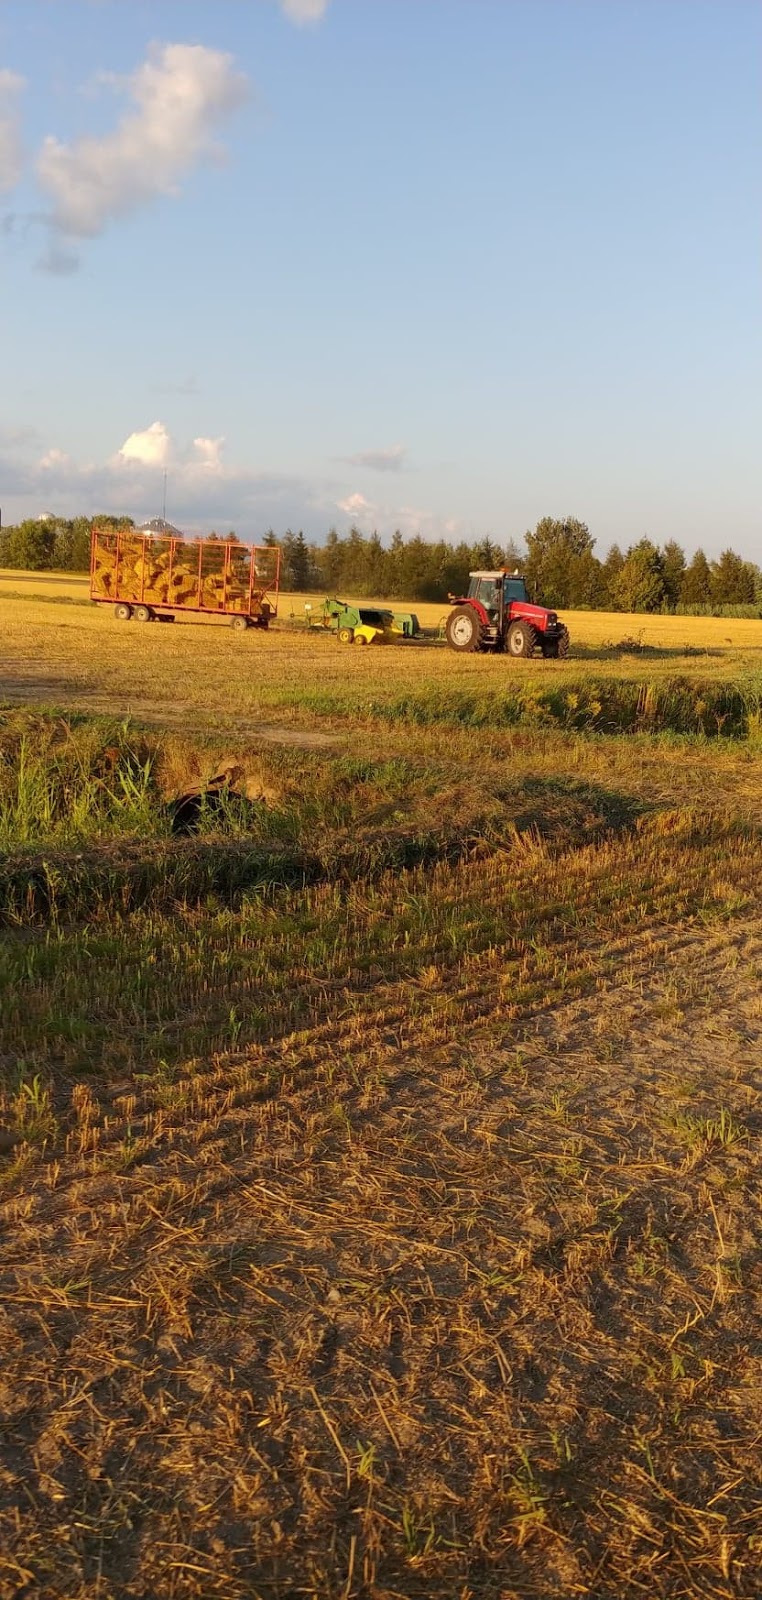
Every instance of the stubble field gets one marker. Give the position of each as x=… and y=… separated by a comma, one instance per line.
x=379, y=1161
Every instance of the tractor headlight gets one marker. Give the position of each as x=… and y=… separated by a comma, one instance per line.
x=552, y=619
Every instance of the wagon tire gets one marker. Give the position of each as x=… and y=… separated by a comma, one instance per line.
x=346, y=635
x=143, y=614
x=240, y=623
x=122, y=611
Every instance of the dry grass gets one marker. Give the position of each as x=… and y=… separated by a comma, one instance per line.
x=380, y=1169
x=81, y=658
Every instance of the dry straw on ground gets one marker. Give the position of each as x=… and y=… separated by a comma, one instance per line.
x=379, y=1169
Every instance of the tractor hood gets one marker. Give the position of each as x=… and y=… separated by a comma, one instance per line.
x=537, y=614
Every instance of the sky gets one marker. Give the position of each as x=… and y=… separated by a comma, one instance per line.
x=447, y=266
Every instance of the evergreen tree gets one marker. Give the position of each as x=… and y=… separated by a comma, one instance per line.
x=695, y=588
x=640, y=585
x=610, y=571
x=732, y=581
x=674, y=572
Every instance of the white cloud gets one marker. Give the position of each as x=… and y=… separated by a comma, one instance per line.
x=391, y=460
x=208, y=452
x=203, y=490
x=301, y=11
x=179, y=93
x=11, y=153
x=372, y=515
x=356, y=505
x=151, y=447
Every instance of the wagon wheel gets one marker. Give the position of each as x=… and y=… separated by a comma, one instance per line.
x=122, y=612
x=346, y=635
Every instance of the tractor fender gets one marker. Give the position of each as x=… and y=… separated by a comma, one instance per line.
x=476, y=606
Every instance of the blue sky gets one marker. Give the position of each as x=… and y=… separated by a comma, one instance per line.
x=447, y=265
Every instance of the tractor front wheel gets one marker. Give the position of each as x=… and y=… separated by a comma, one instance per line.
x=521, y=639
x=463, y=630
x=563, y=642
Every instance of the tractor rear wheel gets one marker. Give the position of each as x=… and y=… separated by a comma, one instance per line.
x=521, y=639
x=463, y=630
x=123, y=612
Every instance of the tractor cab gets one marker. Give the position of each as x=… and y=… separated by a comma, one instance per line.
x=495, y=591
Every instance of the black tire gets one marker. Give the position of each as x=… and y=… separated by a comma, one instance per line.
x=463, y=630
x=563, y=642
x=122, y=611
x=143, y=614
x=346, y=635
x=240, y=623
x=521, y=639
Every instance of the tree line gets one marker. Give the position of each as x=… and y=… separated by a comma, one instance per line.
x=557, y=559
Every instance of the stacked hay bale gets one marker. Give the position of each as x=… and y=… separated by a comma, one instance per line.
x=161, y=573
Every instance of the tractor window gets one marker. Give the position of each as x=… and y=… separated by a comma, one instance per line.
x=515, y=589
x=486, y=590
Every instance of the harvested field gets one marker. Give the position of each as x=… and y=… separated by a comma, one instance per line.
x=380, y=1162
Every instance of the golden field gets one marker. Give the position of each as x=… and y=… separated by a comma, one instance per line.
x=380, y=1160
x=589, y=628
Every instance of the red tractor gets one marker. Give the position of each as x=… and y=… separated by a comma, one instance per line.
x=497, y=614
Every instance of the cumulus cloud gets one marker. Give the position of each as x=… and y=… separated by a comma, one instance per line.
x=391, y=460
x=208, y=453
x=385, y=518
x=11, y=153
x=204, y=490
x=301, y=11
x=150, y=447
x=357, y=506
x=179, y=95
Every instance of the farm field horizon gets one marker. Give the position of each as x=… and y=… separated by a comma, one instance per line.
x=587, y=627
x=379, y=1158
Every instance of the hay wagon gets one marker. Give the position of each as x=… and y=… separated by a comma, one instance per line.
x=150, y=577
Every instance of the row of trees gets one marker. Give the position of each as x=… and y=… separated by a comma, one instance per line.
x=53, y=544
x=558, y=561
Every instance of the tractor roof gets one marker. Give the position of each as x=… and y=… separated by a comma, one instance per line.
x=502, y=572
